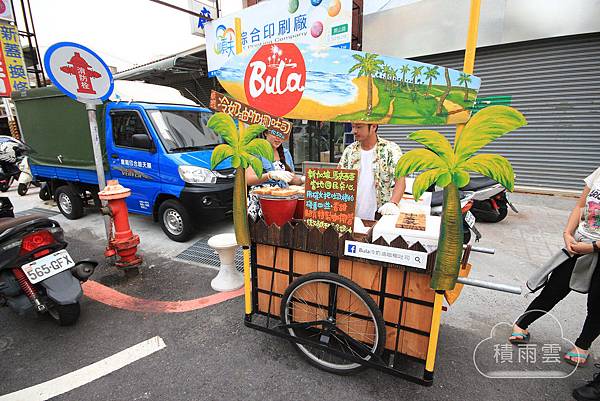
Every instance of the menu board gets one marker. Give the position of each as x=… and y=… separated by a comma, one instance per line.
x=330, y=198
x=250, y=115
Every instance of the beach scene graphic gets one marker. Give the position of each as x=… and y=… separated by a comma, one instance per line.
x=350, y=86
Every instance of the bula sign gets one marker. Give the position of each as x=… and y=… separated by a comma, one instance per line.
x=275, y=78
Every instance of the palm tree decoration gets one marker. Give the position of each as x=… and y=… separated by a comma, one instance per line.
x=394, y=77
x=388, y=71
x=243, y=148
x=367, y=66
x=465, y=79
x=447, y=167
x=404, y=70
x=416, y=73
x=431, y=73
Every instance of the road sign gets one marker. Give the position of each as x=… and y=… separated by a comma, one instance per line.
x=83, y=76
x=78, y=72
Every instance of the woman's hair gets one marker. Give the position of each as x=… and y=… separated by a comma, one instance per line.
x=280, y=152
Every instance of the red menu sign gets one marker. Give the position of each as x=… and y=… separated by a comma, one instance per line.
x=330, y=198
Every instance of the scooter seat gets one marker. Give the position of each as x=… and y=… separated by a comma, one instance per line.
x=10, y=222
x=479, y=183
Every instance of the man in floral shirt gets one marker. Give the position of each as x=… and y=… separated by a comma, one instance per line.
x=376, y=159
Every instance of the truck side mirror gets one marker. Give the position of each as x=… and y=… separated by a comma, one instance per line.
x=142, y=141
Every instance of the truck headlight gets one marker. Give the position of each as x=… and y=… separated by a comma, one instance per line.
x=196, y=175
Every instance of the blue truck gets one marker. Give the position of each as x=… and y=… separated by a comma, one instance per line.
x=154, y=141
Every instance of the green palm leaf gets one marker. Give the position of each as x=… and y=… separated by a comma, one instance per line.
x=460, y=178
x=224, y=125
x=495, y=167
x=436, y=142
x=425, y=180
x=416, y=160
x=253, y=162
x=260, y=147
x=219, y=154
x=251, y=132
x=484, y=127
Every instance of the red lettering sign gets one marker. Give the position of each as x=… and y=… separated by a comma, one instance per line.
x=275, y=78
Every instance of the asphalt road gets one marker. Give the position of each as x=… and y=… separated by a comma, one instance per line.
x=211, y=355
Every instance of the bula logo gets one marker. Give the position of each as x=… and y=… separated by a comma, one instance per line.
x=275, y=78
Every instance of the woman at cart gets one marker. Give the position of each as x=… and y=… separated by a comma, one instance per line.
x=280, y=173
x=575, y=267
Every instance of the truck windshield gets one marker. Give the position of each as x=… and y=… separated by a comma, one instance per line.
x=183, y=130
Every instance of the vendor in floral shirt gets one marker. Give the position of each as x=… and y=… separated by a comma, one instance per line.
x=376, y=159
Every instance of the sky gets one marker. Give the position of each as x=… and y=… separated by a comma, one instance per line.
x=124, y=33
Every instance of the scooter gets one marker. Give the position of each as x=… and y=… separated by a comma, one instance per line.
x=25, y=177
x=11, y=152
x=490, y=200
x=37, y=272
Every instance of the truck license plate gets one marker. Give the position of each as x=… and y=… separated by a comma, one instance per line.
x=470, y=219
x=48, y=266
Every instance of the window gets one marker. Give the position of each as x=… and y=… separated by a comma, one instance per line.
x=125, y=124
x=184, y=130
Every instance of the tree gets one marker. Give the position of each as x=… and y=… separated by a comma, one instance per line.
x=416, y=73
x=440, y=106
x=465, y=79
x=404, y=70
x=368, y=65
x=394, y=77
x=431, y=73
x=243, y=148
x=447, y=167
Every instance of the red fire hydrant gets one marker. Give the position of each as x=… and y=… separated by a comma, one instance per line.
x=83, y=73
x=123, y=242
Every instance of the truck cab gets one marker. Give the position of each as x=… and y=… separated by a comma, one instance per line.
x=154, y=141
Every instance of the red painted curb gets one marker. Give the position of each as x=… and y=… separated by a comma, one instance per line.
x=116, y=299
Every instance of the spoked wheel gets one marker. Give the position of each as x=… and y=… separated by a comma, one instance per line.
x=336, y=313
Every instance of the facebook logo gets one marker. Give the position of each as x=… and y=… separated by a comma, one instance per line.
x=351, y=248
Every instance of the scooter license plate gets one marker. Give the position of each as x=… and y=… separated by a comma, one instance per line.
x=48, y=266
x=470, y=219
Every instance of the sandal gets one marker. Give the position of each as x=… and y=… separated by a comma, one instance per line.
x=572, y=354
x=522, y=338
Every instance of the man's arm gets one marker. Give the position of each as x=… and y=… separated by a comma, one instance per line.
x=398, y=191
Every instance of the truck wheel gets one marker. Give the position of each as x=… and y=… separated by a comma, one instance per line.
x=44, y=193
x=69, y=203
x=175, y=220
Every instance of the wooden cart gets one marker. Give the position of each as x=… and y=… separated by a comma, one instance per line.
x=410, y=310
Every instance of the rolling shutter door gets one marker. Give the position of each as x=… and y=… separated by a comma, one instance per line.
x=555, y=83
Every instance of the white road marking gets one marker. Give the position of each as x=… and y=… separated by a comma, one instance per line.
x=78, y=378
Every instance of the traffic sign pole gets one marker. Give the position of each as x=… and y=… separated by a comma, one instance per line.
x=91, y=110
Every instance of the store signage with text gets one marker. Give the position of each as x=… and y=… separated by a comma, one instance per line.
x=397, y=256
x=318, y=23
x=249, y=115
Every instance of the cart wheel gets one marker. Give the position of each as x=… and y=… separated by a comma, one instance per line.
x=343, y=318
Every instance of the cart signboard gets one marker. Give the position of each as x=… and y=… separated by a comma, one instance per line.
x=315, y=22
x=330, y=84
x=249, y=115
x=330, y=198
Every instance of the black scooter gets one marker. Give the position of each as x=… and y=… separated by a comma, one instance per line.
x=36, y=271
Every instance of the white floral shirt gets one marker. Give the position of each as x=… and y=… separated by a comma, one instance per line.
x=387, y=155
